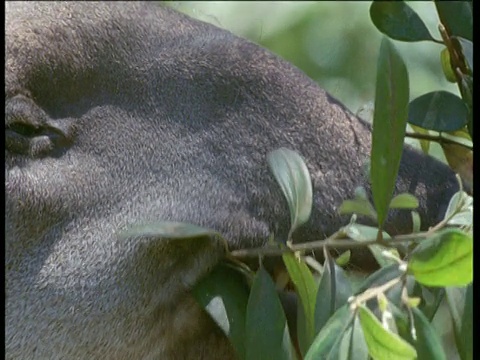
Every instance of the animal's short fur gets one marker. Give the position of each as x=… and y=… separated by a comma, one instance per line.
x=118, y=113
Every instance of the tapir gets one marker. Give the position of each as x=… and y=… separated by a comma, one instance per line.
x=125, y=113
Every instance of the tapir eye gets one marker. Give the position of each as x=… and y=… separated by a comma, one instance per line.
x=28, y=131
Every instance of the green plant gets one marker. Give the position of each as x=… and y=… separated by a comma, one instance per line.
x=333, y=320
x=389, y=314
x=439, y=116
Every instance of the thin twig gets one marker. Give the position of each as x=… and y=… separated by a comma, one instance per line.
x=332, y=242
x=373, y=292
x=437, y=138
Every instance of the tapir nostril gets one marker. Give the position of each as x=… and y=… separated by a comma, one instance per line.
x=26, y=130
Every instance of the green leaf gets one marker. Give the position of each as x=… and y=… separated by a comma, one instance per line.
x=462, y=205
x=352, y=345
x=389, y=125
x=412, y=302
x=460, y=303
x=425, y=144
x=404, y=201
x=416, y=222
x=328, y=338
x=466, y=47
x=343, y=258
x=304, y=338
x=361, y=233
x=333, y=291
x=457, y=17
x=398, y=21
x=224, y=295
x=466, y=89
x=456, y=300
x=445, y=259
x=292, y=174
x=447, y=66
x=306, y=288
x=380, y=254
x=380, y=277
x=382, y=302
x=431, y=299
x=266, y=326
x=466, y=333
x=438, y=111
x=168, y=230
x=383, y=344
x=428, y=344
x=359, y=207
x=402, y=321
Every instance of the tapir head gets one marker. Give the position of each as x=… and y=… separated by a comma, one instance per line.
x=119, y=113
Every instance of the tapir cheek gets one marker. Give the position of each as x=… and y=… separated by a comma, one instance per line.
x=68, y=184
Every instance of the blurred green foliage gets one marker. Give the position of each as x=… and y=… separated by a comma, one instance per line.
x=333, y=42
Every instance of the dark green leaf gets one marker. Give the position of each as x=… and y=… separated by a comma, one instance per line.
x=292, y=174
x=460, y=303
x=266, y=326
x=389, y=125
x=466, y=47
x=383, y=344
x=428, y=344
x=466, y=333
x=438, y=111
x=224, y=295
x=398, y=21
x=445, y=259
x=456, y=300
x=466, y=89
x=352, y=345
x=306, y=288
x=328, y=338
x=304, y=338
x=431, y=299
x=380, y=277
x=333, y=291
x=457, y=17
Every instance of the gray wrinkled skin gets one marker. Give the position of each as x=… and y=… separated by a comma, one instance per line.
x=118, y=113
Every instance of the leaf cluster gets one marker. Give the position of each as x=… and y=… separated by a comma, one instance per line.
x=439, y=116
